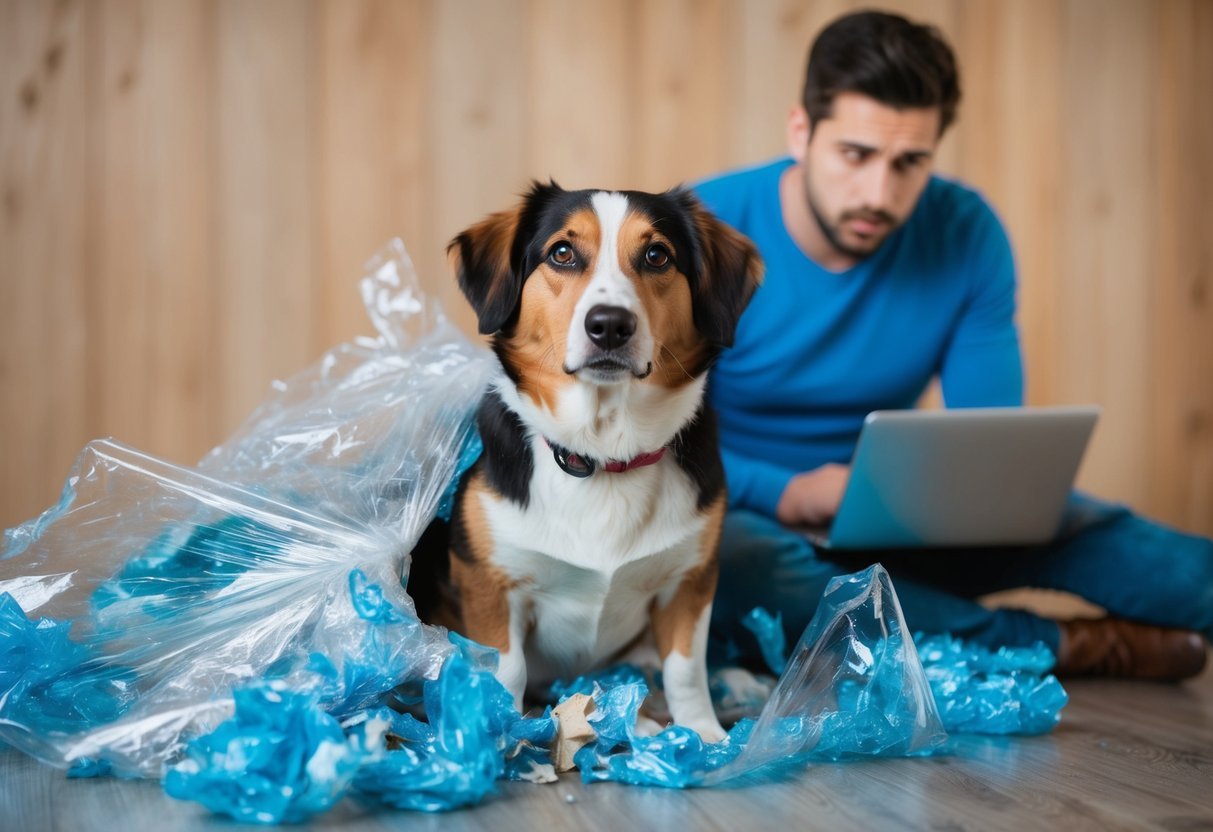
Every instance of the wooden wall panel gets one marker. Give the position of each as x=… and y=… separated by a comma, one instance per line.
x=263, y=279
x=579, y=106
x=477, y=125
x=191, y=186
x=43, y=316
x=373, y=148
x=1105, y=289
x=1180, y=273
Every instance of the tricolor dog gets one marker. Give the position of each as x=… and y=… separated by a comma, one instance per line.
x=594, y=513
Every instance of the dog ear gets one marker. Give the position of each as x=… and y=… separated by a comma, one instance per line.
x=730, y=269
x=482, y=257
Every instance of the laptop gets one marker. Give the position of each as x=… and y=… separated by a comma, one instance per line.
x=964, y=477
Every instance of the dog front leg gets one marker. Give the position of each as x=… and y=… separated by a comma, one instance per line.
x=680, y=628
x=495, y=615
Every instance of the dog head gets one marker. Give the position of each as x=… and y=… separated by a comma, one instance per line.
x=605, y=287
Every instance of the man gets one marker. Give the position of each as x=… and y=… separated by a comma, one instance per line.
x=879, y=277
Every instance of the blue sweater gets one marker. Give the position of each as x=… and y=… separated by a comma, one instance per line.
x=816, y=351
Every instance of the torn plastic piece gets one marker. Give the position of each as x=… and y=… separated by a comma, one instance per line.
x=979, y=691
x=281, y=758
x=609, y=677
x=768, y=629
x=853, y=687
x=50, y=681
x=455, y=760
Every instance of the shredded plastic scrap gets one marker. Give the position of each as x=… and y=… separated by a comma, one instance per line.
x=978, y=691
x=852, y=687
x=280, y=758
x=1008, y=691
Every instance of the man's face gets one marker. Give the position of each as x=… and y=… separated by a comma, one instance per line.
x=865, y=167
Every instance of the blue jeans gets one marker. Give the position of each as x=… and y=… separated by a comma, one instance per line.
x=1130, y=566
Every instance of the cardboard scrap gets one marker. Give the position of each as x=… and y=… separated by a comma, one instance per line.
x=573, y=731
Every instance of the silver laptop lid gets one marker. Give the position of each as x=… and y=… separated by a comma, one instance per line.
x=963, y=477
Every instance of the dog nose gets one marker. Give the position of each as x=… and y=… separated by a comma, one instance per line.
x=610, y=327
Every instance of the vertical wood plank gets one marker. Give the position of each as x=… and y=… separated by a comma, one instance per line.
x=264, y=283
x=121, y=288
x=677, y=105
x=581, y=75
x=1009, y=133
x=1104, y=297
x=1180, y=439
x=178, y=213
x=374, y=145
x=774, y=45
x=477, y=84
x=151, y=228
x=44, y=318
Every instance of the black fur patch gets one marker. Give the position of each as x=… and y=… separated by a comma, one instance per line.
x=697, y=452
x=430, y=571
x=507, y=462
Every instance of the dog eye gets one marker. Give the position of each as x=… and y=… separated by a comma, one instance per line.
x=562, y=254
x=656, y=257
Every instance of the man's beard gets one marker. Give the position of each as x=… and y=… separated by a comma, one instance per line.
x=832, y=234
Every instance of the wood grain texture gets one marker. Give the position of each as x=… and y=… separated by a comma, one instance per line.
x=189, y=188
x=1127, y=756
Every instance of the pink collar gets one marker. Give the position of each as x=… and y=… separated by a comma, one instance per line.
x=578, y=466
x=618, y=465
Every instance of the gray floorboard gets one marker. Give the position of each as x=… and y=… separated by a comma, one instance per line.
x=1127, y=756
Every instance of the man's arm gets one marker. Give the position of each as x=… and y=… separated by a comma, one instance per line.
x=754, y=484
x=982, y=366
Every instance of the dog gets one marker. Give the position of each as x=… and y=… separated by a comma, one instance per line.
x=594, y=512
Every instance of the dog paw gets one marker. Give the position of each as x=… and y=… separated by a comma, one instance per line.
x=646, y=727
x=735, y=688
x=709, y=730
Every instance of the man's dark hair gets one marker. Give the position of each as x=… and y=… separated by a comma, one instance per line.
x=886, y=57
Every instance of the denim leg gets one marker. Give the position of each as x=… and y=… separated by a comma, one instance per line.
x=1132, y=567
x=764, y=564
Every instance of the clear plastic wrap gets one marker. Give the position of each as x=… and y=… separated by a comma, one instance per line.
x=852, y=687
x=160, y=588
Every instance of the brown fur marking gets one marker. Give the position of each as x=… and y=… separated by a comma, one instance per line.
x=482, y=588
x=540, y=340
x=680, y=350
x=674, y=624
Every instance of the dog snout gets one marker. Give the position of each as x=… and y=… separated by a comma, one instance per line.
x=610, y=327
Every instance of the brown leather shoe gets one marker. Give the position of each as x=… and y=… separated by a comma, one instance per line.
x=1128, y=650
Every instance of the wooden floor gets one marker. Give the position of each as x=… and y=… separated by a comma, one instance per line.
x=1127, y=756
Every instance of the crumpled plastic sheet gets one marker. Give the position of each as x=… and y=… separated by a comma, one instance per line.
x=283, y=758
x=237, y=628
x=977, y=691
x=159, y=589
x=852, y=687
x=1007, y=691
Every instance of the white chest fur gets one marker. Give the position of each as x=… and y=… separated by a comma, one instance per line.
x=589, y=555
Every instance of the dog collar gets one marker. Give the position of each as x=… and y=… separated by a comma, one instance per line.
x=576, y=465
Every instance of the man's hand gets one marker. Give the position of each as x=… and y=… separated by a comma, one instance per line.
x=812, y=498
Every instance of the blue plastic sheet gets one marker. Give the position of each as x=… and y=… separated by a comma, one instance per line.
x=280, y=758
x=979, y=691
x=853, y=686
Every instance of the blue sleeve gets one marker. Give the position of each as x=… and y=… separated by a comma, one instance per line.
x=754, y=484
x=982, y=366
